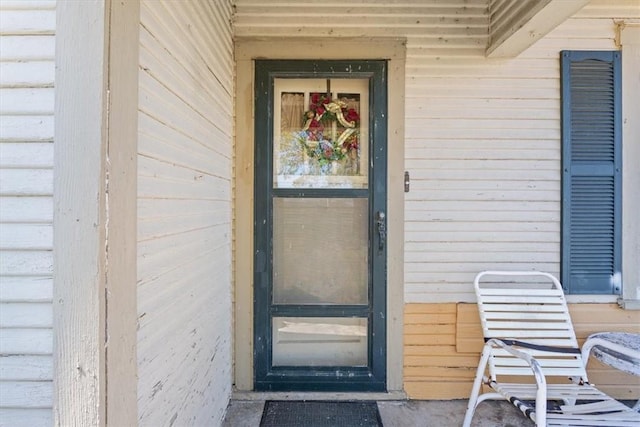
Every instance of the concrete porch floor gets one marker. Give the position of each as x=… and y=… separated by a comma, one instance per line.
x=245, y=410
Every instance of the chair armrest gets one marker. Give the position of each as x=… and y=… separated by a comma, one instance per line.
x=541, y=381
x=629, y=355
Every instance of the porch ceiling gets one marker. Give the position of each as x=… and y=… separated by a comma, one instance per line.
x=497, y=28
x=516, y=25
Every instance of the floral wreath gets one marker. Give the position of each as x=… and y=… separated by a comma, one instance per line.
x=323, y=110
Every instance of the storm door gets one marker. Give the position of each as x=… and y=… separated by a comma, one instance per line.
x=320, y=226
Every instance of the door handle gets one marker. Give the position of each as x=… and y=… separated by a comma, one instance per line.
x=381, y=225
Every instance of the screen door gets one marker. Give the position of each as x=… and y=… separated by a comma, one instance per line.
x=320, y=226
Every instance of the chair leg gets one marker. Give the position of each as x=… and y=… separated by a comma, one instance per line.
x=541, y=405
x=477, y=383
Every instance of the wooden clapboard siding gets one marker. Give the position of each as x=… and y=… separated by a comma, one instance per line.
x=27, y=50
x=587, y=319
x=184, y=212
x=443, y=344
x=483, y=150
x=433, y=368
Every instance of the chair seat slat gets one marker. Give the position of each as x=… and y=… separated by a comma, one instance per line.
x=586, y=408
x=517, y=292
x=552, y=372
x=527, y=315
x=529, y=300
x=518, y=308
x=538, y=325
x=508, y=333
x=557, y=342
x=545, y=363
x=538, y=354
x=605, y=422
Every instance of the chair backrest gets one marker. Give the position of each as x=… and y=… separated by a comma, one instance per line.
x=530, y=307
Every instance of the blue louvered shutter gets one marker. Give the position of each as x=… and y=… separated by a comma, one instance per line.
x=592, y=171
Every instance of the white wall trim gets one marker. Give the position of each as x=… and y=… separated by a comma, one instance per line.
x=630, y=41
x=121, y=214
x=79, y=214
x=91, y=265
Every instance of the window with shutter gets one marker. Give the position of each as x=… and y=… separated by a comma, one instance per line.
x=591, y=172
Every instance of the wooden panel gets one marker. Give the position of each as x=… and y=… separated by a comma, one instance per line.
x=26, y=368
x=34, y=21
x=22, y=341
x=26, y=182
x=30, y=74
x=26, y=236
x=26, y=315
x=435, y=368
x=31, y=101
x=454, y=373
x=424, y=362
x=26, y=263
x=21, y=418
x=25, y=394
x=34, y=155
x=435, y=389
x=26, y=289
x=26, y=128
x=586, y=318
x=184, y=212
x=26, y=209
x=27, y=50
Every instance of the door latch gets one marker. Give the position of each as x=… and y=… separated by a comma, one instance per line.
x=381, y=224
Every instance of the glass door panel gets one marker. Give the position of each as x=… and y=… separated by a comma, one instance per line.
x=320, y=250
x=319, y=341
x=321, y=133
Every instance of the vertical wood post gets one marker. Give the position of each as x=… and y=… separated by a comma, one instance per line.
x=121, y=212
x=630, y=40
x=94, y=213
x=79, y=214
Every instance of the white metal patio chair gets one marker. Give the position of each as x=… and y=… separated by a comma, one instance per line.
x=528, y=333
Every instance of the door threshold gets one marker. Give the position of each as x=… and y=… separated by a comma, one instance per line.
x=304, y=395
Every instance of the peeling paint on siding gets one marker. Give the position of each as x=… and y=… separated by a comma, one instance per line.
x=184, y=212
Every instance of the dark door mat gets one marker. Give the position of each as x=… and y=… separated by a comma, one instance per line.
x=282, y=413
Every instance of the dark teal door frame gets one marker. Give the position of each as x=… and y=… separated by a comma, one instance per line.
x=319, y=378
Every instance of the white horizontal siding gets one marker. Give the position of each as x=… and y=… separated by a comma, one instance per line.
x=30, y=368
x=184, y=212
x=26, y=289
x=27, y=128
x=483, y=150
x=26, y=341
x=27, y=50
x=18, y=417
